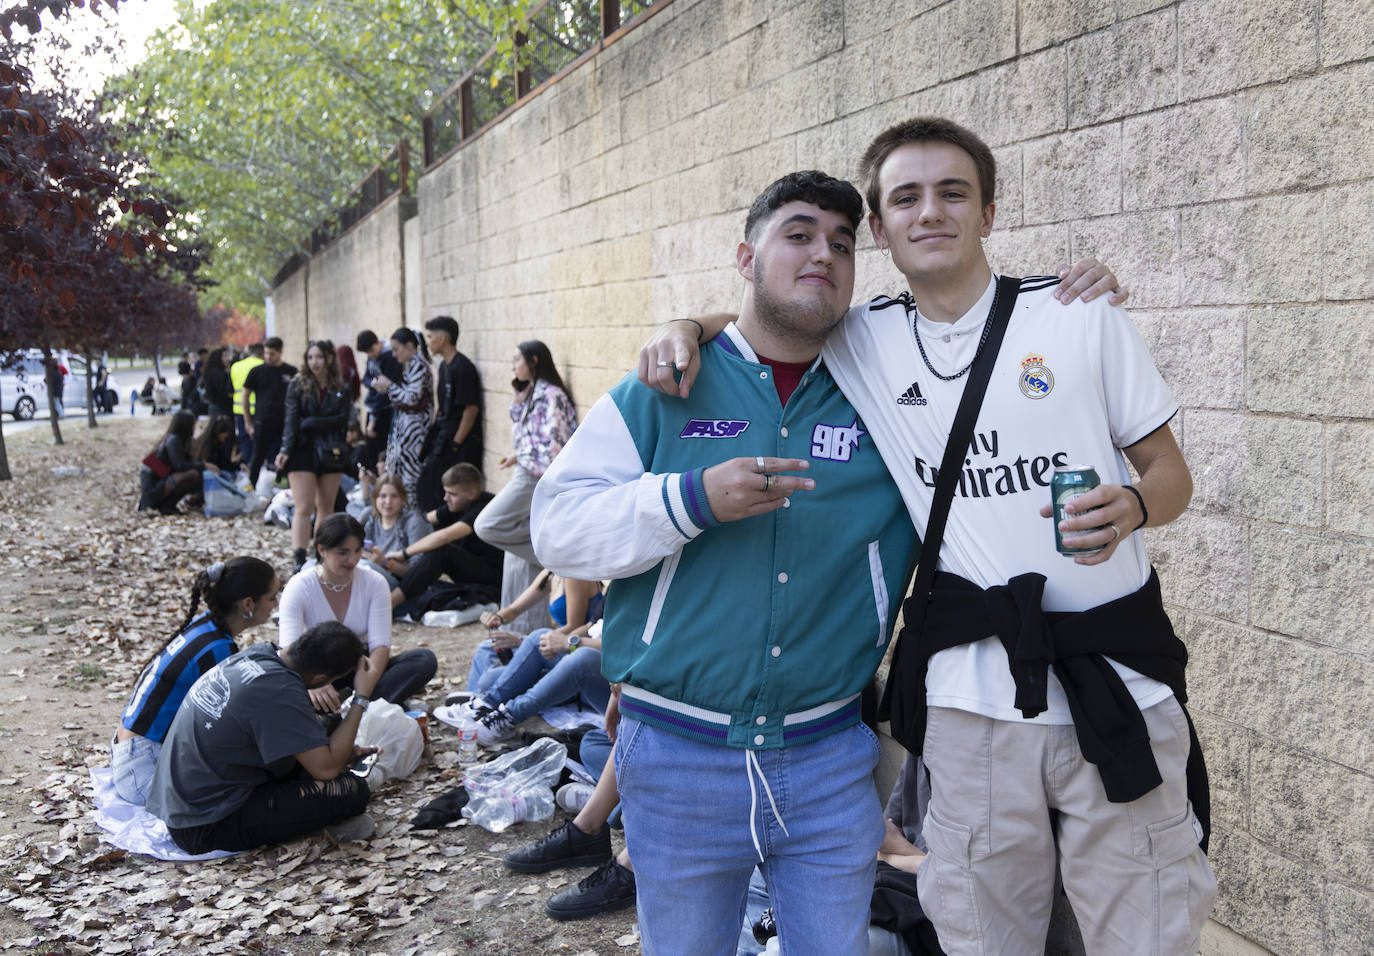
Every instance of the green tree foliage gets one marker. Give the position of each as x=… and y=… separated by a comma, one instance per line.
x=262, y=115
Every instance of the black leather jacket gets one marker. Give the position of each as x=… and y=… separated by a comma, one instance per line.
x=312, y=415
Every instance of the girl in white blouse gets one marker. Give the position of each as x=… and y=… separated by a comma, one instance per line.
x=337, y=589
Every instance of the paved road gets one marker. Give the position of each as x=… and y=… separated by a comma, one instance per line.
x=128, y=379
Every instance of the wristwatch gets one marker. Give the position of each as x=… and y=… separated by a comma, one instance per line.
x=574, y=642
x=359, y=701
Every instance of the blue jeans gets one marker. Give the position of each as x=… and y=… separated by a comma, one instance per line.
x=688, y=813
x=575, y=676
x=133, y=762
x=245, y=442
x=497, y=682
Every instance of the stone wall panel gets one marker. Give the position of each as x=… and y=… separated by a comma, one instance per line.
x=975, y=34
x=1347, y=266
x=1194, y=149
x=1350, y=479
x=1142, y=248
x=1044, y=22
x=1126, y=69
x=1314, y=586
x=1267, y=896
x=1311, y=360
x=1072, y=176
x=1322, y=807
x=1203, y=563
x=1200, y=352
x=1229, y=45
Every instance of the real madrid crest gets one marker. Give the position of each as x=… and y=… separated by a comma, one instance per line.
x=1036, y=380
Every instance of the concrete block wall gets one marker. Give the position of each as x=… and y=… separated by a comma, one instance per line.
x=356, y=282
x=290, y=305
x=1216, y=153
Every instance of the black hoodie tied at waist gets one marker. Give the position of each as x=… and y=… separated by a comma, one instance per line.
x=1132, y=630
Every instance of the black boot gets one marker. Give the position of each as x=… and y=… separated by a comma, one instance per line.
x=299, y=556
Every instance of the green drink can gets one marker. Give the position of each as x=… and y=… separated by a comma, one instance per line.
x=1070, y=482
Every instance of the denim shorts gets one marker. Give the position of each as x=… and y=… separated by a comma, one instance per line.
x=133, y=762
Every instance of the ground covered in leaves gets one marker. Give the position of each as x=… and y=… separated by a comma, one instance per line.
x=88, y=590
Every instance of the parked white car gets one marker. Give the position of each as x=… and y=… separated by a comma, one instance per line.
x=24, y=389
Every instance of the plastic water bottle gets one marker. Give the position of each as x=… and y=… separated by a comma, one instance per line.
x=497, y=811
x=467, y=740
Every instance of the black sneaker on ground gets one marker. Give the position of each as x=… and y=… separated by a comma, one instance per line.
x=566, y=846
x=610, y=888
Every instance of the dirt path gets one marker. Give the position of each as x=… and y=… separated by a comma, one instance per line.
x=88, y=590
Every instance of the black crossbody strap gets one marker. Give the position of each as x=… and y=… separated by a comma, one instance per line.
x=951, y=466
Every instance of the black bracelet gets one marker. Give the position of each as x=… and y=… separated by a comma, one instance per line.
x=1144, y=512
x=701, y=329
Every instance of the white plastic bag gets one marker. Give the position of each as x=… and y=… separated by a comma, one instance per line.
x=279, y=511
x=385, y=725
x=266, y=479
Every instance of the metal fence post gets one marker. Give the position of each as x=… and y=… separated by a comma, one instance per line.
x=610, y=17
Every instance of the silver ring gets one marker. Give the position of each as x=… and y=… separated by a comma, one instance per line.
x=664, y=364
x=758, y=463
x=1116, y=532
x=767, y=483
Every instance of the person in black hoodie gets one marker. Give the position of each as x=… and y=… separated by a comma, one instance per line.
x=313, y=450
x=215, y=386
x=177, y=473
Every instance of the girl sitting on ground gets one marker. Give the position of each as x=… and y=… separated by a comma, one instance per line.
x=238, y=594
x=391, y=526
x=216, y=445
x=179, y=469
x=337, y=589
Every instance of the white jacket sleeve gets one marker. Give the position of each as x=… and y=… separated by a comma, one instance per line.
x=598, y=514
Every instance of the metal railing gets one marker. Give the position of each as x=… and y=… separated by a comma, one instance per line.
x=557, y=35
x=391, y=176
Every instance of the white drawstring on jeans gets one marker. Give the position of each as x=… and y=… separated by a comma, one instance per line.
x=751, y=767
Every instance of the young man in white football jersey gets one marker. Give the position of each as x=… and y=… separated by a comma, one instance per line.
x=1028, y=659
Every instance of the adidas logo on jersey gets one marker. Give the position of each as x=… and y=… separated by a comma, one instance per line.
x=912, y=396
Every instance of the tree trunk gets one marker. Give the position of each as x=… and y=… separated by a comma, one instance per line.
x=4, y=455
x=52, y=417
x=53, y=400
x=90, y=392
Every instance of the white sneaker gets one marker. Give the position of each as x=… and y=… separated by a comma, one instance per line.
x=353, y=829
x=495, y=727
x=574, y=796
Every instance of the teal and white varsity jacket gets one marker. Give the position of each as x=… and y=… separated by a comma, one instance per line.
x=756, y=633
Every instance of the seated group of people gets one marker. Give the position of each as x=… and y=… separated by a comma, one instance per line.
x=228, y=747
x=212, y=736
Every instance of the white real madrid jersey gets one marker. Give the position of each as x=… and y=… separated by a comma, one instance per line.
x=1073, y=384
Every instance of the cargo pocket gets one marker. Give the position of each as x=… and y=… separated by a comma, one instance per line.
x=1184, y=884
x=945, y=883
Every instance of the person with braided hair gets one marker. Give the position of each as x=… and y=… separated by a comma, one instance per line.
x=238, y=594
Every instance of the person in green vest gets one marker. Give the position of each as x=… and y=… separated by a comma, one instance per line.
x=238, y=374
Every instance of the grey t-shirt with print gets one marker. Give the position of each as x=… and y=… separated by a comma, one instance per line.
x=239, y=727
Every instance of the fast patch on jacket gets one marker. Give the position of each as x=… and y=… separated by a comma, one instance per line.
x=713, y=428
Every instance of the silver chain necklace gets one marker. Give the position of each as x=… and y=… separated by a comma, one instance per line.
x=336, y=588
x=915, y=328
